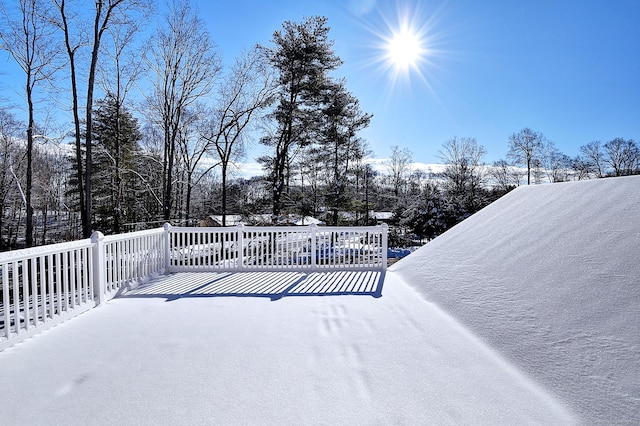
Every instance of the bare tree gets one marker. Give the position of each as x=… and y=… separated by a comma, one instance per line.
x=89, y=33
x=193, y=149
x=594, y=157
x=246, y=90
x=581, y=168
x=556, y=164
x=464, y=173
x=362, y=175
x=399, y=167
x=504, y=175
x=623, y=156
x=525, y=148
x=28, y=39
x=9, y=183
x=183, y=59
x=122, y=63
x=310, y=175
x=49, y=189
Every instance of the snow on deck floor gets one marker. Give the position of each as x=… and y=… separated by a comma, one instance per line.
x=215, y=359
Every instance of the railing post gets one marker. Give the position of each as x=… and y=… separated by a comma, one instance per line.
x=314, y=262
x=98, y=265
x=167, y=247
x=240, y=240
x=385, y=232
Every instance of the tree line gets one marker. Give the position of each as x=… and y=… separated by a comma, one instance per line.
x=466, y=184
x=160, y=156
x=158, y=123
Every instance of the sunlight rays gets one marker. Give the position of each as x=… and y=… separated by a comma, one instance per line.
x=404, y=46
x=405, y=49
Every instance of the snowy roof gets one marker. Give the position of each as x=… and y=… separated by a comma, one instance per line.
x=526, y=313
x=230, y=220
x=383, y=215
x=308, y=220
x=549, y=277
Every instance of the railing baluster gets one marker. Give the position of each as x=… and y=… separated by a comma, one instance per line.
x=6, y=300
x=16, y=297
x=29, y=293
x=50, y=284
x=57, y=261
x=42, y=272
x=79, y=276
x=72, y=279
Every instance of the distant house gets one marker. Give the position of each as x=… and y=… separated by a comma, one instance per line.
x=308, y=220
x=382, y=217
x=216, y=220
x=257, y=220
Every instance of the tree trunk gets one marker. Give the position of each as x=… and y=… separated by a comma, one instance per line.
x=188, y=197
x=29, y=228
x=224, y=193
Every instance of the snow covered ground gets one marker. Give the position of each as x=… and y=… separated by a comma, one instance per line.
x=527, y=313
x=298, y=360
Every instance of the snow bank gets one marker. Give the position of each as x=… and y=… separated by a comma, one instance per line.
x=550, y=277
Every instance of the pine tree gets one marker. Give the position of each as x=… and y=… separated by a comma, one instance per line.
x=116, y=136
x=303, y=57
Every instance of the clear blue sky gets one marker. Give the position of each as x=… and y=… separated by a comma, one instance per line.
x=569, y=69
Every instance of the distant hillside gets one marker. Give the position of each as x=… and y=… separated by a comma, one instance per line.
x=549, y=275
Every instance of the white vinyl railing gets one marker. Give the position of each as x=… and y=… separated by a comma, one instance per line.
x=43, y=286
x=127, y=259
x=277, y=248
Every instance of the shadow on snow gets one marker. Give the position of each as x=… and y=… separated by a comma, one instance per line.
x=274, y=285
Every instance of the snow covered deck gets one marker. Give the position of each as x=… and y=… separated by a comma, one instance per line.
x=197, y=355
x=525, y=313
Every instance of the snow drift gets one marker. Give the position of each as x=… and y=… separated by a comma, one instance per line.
x=550, y=277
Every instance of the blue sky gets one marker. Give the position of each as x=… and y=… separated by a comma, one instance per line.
x=569, y=69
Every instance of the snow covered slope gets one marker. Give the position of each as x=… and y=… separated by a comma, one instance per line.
x=550, y=277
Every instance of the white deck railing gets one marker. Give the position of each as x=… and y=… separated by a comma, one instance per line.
x=43, y=286
x=298, y=248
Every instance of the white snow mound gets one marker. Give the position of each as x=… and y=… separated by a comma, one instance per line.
x=549, y=276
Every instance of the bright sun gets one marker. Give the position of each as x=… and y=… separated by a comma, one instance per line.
x=404, y=49
x=405, y=45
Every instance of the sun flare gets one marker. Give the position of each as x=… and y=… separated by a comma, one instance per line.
x=405, y=45
x=404, y=49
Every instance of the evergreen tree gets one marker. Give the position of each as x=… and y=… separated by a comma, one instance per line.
x=303, y=57
x=116, y=136
x=426, y=215
x=339, y=146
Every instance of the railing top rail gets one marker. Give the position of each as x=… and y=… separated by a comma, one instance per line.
x=132, y=235
x=22, y=254
x=374, y=228
x=203, y=229
x=293, y=228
